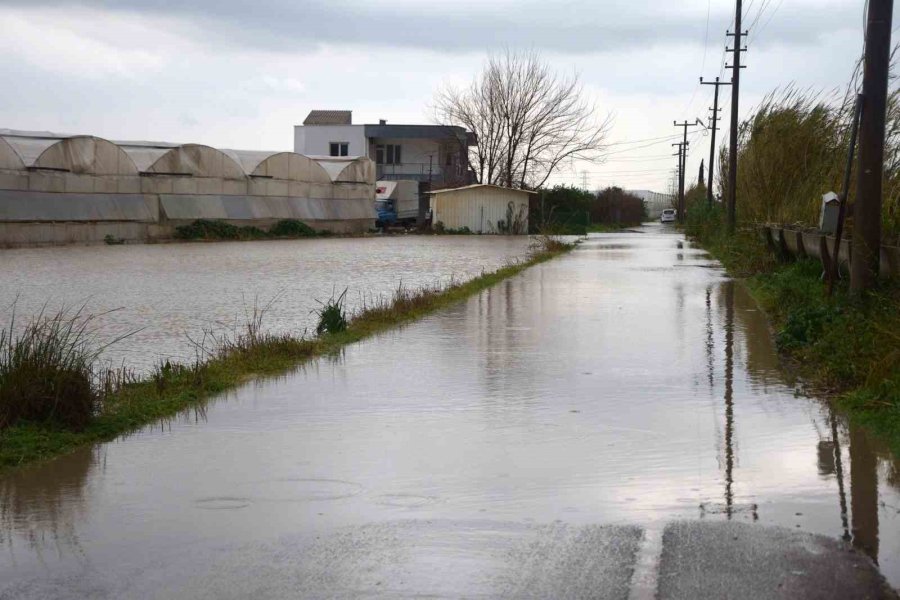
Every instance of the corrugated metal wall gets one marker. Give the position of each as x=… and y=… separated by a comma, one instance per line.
x=478, y=208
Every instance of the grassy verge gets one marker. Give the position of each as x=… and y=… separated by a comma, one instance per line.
x=846, y=348
x=609, y=227
x=126, y=404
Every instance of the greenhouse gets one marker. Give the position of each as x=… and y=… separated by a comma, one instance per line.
x=57, y=189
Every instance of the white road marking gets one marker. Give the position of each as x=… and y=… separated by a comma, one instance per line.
x=645, y=579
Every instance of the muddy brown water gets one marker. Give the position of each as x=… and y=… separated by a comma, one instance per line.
x=628, y=383
x=165, y=297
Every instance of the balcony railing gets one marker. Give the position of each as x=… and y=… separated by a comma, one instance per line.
x=420, y=172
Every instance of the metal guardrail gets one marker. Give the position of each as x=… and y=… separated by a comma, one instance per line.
x=794, y=243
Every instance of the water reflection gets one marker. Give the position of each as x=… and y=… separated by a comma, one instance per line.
x=835, y=465
x=863, y=493
x=710, y=341
x=42, y=506
x=729, y=396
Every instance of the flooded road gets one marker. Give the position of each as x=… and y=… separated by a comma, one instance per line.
x=168, y=294
x=581, y=405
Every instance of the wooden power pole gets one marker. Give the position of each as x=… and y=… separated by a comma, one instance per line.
x=714, y=120
x=867, y=211
x=682, y=151
x=735, y=94
x=684, y=147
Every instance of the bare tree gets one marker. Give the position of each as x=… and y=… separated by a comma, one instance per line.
x=528, y=120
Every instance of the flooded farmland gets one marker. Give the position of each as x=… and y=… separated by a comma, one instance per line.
x=604, y=393
x=167, y=295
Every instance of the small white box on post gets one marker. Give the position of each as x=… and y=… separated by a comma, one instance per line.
x=828, y=217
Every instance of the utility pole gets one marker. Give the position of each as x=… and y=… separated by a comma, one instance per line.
x=712, y=142
x=867, y=212
x=735, y=94
x=423, y=198
x=682, y=153
x=684, y=126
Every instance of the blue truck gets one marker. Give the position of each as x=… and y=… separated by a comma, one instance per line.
x=396, y=203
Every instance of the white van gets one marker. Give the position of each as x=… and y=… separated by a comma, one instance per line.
x=668, y=216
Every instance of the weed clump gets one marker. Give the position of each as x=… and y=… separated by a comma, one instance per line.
x=46, y=373
x=211, y=229
x=205, y=229
x=547, y=243
x=441, y=229
x=292, y=228
x=332, y=317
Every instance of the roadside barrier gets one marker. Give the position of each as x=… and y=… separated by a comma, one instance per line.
x=790, y=244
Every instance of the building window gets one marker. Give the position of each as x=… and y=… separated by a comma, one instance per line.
x=339, y=148
x=387, y=154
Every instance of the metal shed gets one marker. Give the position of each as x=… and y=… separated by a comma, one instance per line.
x=481, y=208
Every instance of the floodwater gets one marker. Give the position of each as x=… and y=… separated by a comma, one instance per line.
x=626, y=385
x=165, y=297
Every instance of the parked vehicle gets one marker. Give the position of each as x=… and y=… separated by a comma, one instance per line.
x=668, y=215
x=396, y=202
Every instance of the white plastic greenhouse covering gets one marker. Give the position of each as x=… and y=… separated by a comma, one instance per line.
x=51, y=177
x=98, y=156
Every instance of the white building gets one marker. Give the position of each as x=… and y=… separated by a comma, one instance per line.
x=654, y=201
x=426, y=153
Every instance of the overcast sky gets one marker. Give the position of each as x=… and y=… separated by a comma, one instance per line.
x=240, y=75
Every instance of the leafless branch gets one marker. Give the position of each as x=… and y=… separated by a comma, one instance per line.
x=528, y=120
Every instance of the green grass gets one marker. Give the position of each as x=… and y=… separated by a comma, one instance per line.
x=843, y=347
x=609, y=227
x=130, y=404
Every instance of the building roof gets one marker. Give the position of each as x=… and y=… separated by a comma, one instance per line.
x=329, y=117
x=420, y=132
x=481, y=185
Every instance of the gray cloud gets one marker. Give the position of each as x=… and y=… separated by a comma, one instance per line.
x=577, y=26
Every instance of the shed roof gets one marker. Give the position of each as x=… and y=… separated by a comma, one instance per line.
x=329, y=117
x=481, y=185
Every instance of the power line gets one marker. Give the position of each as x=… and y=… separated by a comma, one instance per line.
x=665, y=137
x=663, y=141
x=762, y=8
x=705, y=37
x=634, y=160
x=769, y=20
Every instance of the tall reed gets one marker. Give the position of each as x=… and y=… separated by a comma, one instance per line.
x=47, y=372
x=792, y=149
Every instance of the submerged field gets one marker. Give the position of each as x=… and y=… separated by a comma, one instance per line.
x=163, y=296
x=55, y=350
